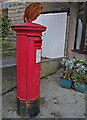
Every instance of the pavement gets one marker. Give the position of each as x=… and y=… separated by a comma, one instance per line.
x=55, y=101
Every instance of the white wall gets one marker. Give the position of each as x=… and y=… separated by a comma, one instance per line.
x=54, y=37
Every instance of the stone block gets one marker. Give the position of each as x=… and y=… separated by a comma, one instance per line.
x=9, y=76
x=50, y=66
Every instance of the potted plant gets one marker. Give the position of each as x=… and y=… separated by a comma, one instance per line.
x=74, y=71
x=80, y=81
x=66, y=77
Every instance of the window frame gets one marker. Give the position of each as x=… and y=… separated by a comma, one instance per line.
x=4, y=10
x=81, y=50
x=1, y=5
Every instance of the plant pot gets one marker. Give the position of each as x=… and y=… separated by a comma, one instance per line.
x=79, y=87
x=65, y=83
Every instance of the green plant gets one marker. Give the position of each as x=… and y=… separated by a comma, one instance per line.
x=80, y=76
x=67, y=73
x=76, y=84
x=4, y=30
x=5, y=22
x=80, y=62
x=74, y=64
x=45, y=77
x=6, y=54
x=6, y=44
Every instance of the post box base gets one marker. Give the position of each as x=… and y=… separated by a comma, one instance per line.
x=28, y=108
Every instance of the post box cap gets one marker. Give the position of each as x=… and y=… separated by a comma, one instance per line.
x=28, y=26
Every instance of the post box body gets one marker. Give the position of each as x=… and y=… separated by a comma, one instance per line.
x=28, y=67
x=28, y=60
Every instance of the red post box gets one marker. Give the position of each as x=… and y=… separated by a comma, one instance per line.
x=28, y=67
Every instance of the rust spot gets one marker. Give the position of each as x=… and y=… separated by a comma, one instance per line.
x=27, y=105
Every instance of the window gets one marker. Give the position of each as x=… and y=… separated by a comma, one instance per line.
x=85, y=47
x=0, y=7
x=4, y=6
x=81, y=32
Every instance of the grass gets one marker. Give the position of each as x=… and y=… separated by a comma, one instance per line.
x=45, y=77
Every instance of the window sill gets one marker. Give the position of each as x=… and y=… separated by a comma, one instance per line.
x=4, y=9
x=79, y=51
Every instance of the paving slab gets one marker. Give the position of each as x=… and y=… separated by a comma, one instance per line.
x=55, y=102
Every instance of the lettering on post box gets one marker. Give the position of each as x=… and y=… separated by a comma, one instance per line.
x=38, y=55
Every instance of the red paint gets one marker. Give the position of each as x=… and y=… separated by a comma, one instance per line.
x=28, y=71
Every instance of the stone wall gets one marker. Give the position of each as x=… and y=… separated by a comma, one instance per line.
x=16, y=12
x=67, y=36
x=75, y=7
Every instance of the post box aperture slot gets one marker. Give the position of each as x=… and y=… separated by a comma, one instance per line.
x=38, y=41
